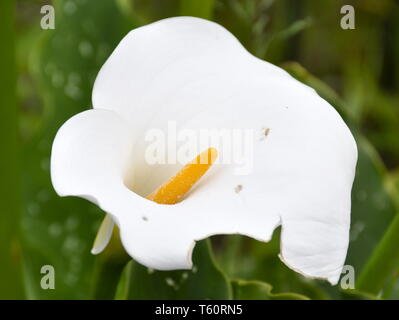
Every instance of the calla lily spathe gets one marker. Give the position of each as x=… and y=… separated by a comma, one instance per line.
x=196, y=73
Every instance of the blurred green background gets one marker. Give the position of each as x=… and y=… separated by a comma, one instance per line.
x=46, y=76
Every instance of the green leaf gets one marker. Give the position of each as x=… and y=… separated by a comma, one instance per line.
x=391, y=290
x=146, y=11
x=383, y=263
x=373, y=207
x=109, y=269
x=247, y=259
x=393, y=185
x=325, y=91
x=10, y=273
x=60, y=231
x=204, y=281
x=263, y=27
x=197, y=8
x=356, y=295
x=122, y=288
x=257, y=290
x=107, y=275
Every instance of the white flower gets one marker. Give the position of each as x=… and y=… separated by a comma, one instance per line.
x=196, y=73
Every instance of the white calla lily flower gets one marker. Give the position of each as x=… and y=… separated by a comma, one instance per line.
x=196, y=73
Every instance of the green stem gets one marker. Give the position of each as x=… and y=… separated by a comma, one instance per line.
x=10, y=266
x=383, y=263
x=107, y=274
x=108, y=269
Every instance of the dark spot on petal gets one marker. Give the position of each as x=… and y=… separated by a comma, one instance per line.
x=264, y=133
x=144, y=218
x=238, y=188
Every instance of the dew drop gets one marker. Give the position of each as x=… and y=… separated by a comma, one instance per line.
x=71, y=223
x=33, y=209
x=72, y=91
x=184, y=276
x=57, y=79
x=88, y=26
x=85, y=48
x=71, y=279
x=361, y=195
x=49, y=68
x=45, y=164
x=71, y=243
x=75, y=264
x=171, y=283
x=55, y=230
x=74, y=78
x=379, y=201
x=357, y=229
x=43, y=195
x=69, y=7
x=102, y=52
x=150, y=271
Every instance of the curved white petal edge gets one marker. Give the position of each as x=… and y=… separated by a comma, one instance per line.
x=196, y=73
x=104, y=235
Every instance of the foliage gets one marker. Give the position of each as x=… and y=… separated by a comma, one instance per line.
x=355, y=70
x=9, y=183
